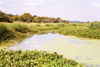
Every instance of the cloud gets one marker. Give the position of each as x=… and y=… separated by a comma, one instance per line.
x=83, y=8
x=3, y=9
x=31, y=3
x=95, y=4
x=13, y=5
x=59, y=7
x=32, y=0
x=52, y=0
x=2, y=2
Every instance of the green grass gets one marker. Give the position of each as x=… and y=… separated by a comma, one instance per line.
x=35, y=59
x=78, y=24
x=14, y=32
x=20, y=27
x=80, y=32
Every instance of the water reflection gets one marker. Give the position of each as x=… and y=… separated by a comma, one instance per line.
x=82, y=50
x=77, y=42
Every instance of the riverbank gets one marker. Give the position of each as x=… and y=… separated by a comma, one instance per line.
x=80, y=32
x=11, y=32
x=82, y=50
x=17, y=31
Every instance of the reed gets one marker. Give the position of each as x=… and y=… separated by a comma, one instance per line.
x=80, y=32
x=5, y=33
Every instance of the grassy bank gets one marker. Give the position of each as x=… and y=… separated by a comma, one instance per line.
x=35, y=59
x=80, y=32
x=11, y=32
x=92, y=30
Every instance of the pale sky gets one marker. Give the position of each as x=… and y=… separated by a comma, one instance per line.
x=73, y=10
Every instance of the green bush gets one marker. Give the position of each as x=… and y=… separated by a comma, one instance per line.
x=48, y=24
x=62, y=24
x=94, y=25
x=20, y=27
x=80, y=32
x=73, y=24
x=5, y=33
x=33, y=30
x=3, y=29
x=35, y=59
x=38, y=25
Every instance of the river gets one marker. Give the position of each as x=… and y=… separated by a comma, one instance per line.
x=83, y=50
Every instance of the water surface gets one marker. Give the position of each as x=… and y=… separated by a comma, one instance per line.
x=83, y=50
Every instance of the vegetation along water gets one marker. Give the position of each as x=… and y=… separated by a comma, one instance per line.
x=16, y=28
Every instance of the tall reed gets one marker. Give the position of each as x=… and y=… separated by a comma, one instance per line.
x=5, y=33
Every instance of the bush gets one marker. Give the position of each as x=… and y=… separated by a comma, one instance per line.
x=5, y=33
x=33, y=30
x=80, y=32
x=94, y=25
x=3, y=29
x=61, y=24
x=20, y=27
x=38, y=25
x=48, y=24
x=35, y=59
x=73, y=24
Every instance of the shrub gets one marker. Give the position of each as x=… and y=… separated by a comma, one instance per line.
x=3, y=29
x=38, y=25
x=48, y=24
x=80, y=32
x=33, y=30
x=35, y=59
x=61, y=24
x=5, y=33
x=94, y=25
x=20, y=27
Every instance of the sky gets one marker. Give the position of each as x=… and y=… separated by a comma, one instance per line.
x=73, y=10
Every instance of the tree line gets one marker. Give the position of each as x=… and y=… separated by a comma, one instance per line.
x=27, y=17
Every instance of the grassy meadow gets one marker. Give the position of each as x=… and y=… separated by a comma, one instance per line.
x=12, y=32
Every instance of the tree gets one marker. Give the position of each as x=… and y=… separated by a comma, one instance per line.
x=16, y=17
x=26, y=17
x=5, y=17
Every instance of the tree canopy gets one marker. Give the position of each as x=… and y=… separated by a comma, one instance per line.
x=27, y=17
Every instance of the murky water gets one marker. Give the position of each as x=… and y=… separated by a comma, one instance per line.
x=83, y=50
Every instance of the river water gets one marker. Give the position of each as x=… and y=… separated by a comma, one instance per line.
x=86, y=51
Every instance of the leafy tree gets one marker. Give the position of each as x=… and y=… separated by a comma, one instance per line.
x=16, y=17
x=5, y=17
x=26, y=17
